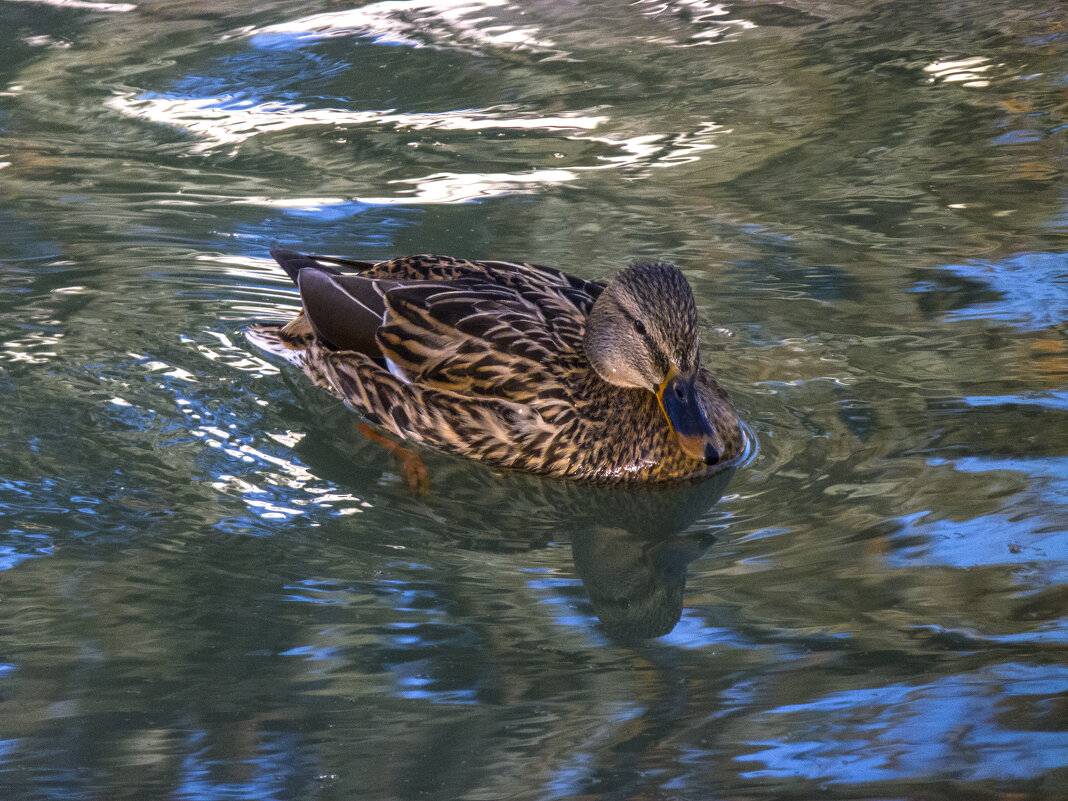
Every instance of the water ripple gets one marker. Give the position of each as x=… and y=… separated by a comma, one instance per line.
x=221, y=121
x=956, y=725
x=414, y=23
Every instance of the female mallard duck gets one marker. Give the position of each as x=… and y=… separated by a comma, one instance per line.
x=516, y=365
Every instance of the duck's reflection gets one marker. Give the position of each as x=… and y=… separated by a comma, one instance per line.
x=634, y=566
x=634, y=574
x=631, y=547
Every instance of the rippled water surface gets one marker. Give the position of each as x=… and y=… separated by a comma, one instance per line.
x=212, y=587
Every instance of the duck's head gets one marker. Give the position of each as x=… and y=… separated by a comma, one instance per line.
x=642, y=333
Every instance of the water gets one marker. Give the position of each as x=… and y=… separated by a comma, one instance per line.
x=212, y=587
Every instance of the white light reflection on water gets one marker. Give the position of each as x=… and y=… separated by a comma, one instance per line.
x=244, y=269
x=453, y=22
x=220, y=122
x=226, y=352
x=84, y=5
x=33, y=348
x=965, y=71
x=272, y=487
x=443, y=187
x=480, y=25
x=268, y=489
x=712, y=21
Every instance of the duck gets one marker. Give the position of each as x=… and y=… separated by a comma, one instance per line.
x=514, y=364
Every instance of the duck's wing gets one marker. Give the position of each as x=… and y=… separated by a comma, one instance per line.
x=482, y=340
x=450, y=364
x=526, y=310
x=484, y=329
x=476, y=358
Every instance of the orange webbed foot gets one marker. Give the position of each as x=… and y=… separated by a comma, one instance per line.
x=411, y=463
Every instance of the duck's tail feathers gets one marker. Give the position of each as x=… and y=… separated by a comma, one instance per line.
x=293, y=262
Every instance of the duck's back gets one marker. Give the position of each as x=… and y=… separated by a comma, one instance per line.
x=520, y=276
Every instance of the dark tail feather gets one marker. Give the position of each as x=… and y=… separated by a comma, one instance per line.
x=345, y=315
x=293, y=262
x=344, y=310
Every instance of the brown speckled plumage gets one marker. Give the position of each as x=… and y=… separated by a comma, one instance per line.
x=487, y=359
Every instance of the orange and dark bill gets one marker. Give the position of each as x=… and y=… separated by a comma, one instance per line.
x=678, y=398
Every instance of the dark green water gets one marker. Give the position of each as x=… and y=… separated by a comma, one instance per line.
x=212, y=588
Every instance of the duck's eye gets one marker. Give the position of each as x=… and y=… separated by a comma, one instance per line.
x=639, y=326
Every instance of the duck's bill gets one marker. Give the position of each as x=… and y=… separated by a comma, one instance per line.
x=678, y=399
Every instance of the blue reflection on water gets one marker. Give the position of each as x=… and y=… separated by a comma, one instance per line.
x=270, y=772
x=999, y=537
x=693, y=631
x=1033, y=289
x=290, y=42
x=253, y=76
x=314, y=653
x=371, y=227
x=1053, y=632
x=314, y=591
x=1047, y=400
x=1018, y=138
x=1047, y=474
x=958, y=727
x=329, y=212
x=995, y=539
x=25, y=544
x=566, y=600
x=9, y=556
x=577, y=772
